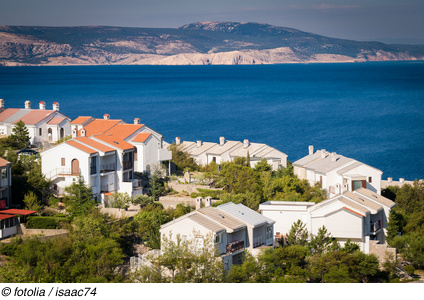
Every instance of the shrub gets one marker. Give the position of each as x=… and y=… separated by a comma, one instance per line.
x=409, y=269
x=43, y=223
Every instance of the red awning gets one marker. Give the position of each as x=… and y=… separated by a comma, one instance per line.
x=4, y=216
x=22, y=212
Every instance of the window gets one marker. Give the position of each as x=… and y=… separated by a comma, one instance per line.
x=40, y=131
x=93, y=164
x=62, y=161
x=269, y=232
x=3, y=173
x=370, y=179
x=218, y=238
x=184, y=239
x=214, y=159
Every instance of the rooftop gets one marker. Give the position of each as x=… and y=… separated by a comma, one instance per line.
x=245, y=214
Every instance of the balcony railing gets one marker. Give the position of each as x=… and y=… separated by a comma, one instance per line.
x=127, y=165
x=107, y=168
x=375, y=226
x=235, y=246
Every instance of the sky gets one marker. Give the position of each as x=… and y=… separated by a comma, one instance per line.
x=378, y=20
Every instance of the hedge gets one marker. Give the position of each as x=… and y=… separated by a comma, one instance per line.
x=37, y=222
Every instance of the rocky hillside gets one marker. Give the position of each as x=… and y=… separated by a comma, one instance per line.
x=226, y=43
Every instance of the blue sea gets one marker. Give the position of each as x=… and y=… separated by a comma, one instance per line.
x=372, y=112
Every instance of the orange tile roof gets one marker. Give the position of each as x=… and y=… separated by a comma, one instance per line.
x=114, y=141
x=94, y=144
x=80, y=120
x=5, y=216
x=80, y=147
x=123, y=131
x=35, y=116
x=22, y=212
x=6, y=114
x=56, y=120
x=99, y=126
x=3, y=162
x=142, y=137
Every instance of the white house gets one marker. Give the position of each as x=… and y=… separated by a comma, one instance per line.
x=105, y=162
x=234, y=228
x=337, y=173
x=149, y=146
x=205, y=152
x=360, y=216
x=10, y=221
x=44, y=126
x=5, y=183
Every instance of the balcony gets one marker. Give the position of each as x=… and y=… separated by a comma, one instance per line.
x=127, y=165
x=376, y=226
x=235, y=246
x=105, y=168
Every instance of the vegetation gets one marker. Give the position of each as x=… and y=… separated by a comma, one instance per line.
x=406, y=221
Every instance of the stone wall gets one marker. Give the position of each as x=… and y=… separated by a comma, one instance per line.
x=168, y=201
x=382, y=251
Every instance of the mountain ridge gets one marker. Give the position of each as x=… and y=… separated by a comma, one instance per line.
x=195, y=43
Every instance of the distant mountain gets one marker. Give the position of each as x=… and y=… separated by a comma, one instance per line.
x=197, y=43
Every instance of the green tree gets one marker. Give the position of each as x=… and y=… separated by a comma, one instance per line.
x=78, y=198
x=298, y=234
x=156, y=182
x=321, y=242
x=182, y=159
x=31, y=202
x=20, y=135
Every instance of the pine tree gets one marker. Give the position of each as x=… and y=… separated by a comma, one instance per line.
x=20, y=135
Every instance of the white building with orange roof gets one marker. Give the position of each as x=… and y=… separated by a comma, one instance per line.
x=105, y=162
x=44, y=126
x=149, y=146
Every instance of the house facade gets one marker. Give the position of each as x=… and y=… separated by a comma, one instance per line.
x=105, y=163
x=10, y=221
x=44, y=126
x=5, y=183
x=205, y=152
x=360, y=216
x=337, y=173
x=149, y=145
x=231, y=234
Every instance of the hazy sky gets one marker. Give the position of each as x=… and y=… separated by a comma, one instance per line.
x=399, y=20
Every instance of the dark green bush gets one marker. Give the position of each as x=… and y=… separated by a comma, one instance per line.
x=409, y=269
x=215, y=194
x=37, y=222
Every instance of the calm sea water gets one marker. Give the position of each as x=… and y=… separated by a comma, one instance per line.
x=373, y=112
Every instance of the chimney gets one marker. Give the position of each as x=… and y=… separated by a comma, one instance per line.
x=323, y=153
x=199, y=144
x=333, y=156
x=311, y=150
x=208, y=201
x=42, y=105
x=83, y=132
x=1, y=103
x=221, y=141
x=27, y=104
x=74, y=132
x=390, y=179
x=56, y=106
x=401, y=180
x=177, y=140
x=106, y=116
x=246, y=143
x=198, y=203
x=137, y=121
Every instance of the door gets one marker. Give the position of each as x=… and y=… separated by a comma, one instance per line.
x=75, y=167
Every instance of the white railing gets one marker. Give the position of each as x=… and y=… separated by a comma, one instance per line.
x=258, y=241
x=60, y=172
x=107, y=167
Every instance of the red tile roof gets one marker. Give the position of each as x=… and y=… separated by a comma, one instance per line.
x=80, y=147
x=56, y=120
x=35, y=116
x=99, y=126
x=114, y=141
x=22, y=212
x=94, y=144
x=353, y=211
x=123, y=131
x=6, y=114
x=80, y=120
x=142, y=137
x=4, y=216
x=3, y=162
